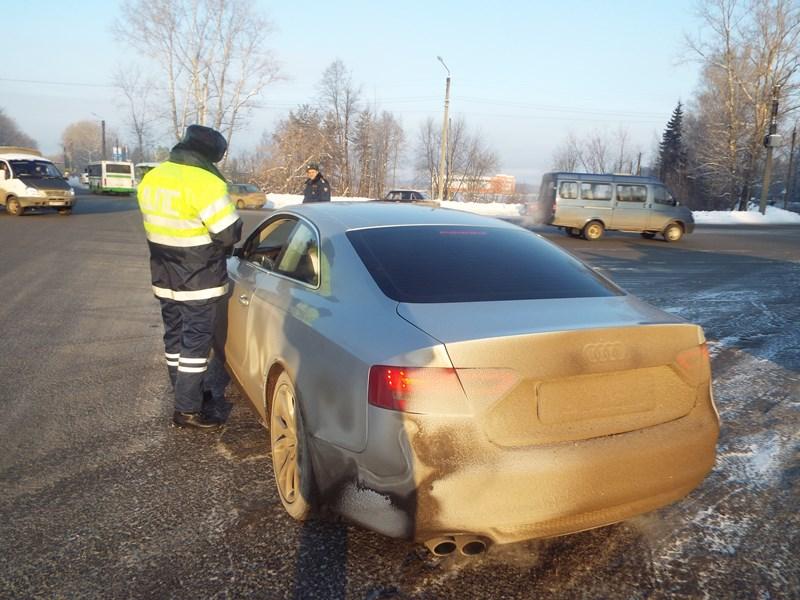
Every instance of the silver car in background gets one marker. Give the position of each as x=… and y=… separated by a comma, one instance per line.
x=454, y=379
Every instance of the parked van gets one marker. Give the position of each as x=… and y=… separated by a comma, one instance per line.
x=28, y=180
x=585, y=205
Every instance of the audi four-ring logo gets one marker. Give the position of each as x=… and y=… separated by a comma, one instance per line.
x=604, y=351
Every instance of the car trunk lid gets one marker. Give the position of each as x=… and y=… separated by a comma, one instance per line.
x=548, y=371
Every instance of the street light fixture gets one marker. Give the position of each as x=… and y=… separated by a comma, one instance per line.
x=443, y=153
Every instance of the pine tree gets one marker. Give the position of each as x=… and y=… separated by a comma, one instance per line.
x=672, y=152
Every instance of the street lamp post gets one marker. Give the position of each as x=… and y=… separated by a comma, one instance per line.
x=103, y=136
x=443, y=153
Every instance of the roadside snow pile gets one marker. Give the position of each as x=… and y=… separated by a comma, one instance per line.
x=774, y=216
x=492, y=209
x=281, y=200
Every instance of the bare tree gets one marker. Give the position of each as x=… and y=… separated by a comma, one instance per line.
x=11, y=135
x=137, y=93
x=339, y=99
x=82, y=143
x=468, y=157
x=567, y=156
x=597, y=152
x=282, y=155
x=750, y=48
x=212, y=55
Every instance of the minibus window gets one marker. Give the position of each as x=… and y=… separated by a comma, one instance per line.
x=568, y=190
x=596, y=191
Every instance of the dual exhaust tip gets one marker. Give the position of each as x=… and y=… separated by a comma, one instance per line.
x=464, y=544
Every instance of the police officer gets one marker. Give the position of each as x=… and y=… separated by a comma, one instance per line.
x=191, y=225
x=317, y=187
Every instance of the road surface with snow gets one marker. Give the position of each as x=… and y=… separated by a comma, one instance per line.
x=100, y=498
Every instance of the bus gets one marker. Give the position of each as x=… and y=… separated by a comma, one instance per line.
x=141, y=169
x=114, y=177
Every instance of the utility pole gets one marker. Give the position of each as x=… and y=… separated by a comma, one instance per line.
x=103, y=126
x=790, y=174
x=771, y=140
x=443, y=153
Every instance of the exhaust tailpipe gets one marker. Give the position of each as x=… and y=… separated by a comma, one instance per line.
x=442, y=546
x=471, y=546
x=465, y=544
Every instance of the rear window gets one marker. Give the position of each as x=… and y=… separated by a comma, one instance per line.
x=432, y=264
x=124, y=169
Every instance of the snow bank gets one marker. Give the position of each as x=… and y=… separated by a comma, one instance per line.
x=281, y=200
x=773, y=216
x=493, y=209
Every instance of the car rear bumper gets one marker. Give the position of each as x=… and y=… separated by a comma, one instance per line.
x=451, y=480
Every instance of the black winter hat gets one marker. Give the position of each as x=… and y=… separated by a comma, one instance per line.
x=314, y=166
x=208, y=142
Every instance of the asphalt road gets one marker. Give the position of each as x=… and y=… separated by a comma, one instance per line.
x=99, y=497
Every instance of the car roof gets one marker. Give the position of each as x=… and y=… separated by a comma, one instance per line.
x=20, y=156
x=339, y=217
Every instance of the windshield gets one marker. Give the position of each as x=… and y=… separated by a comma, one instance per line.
x=34, y=168
x=447, y=263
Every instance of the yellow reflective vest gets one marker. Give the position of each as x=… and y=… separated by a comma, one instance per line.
x=190, y=222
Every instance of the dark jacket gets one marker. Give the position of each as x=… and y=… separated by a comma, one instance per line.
x=317, y=190
x=190, y=225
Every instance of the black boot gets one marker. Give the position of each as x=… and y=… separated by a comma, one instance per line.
x=197, y=420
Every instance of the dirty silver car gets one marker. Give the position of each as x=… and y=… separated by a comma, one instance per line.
x=454, y=379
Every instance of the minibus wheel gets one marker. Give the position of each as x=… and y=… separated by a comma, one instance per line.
x=673, y=232
x=593, y=230
x=14, y=207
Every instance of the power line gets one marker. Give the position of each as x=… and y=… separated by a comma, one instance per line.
x=57, y=82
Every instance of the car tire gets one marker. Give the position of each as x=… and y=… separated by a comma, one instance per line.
x=291, y=462
x=239, y=204
x=672, y=232
x=648, y=235
x=14, y=207
x=593, y=230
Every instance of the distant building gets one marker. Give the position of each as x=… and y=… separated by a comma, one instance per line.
x=495, y=184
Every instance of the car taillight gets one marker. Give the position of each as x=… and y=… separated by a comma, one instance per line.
x=422, y=390
x=694, y=364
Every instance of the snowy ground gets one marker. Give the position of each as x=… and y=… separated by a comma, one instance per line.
x=773, y=216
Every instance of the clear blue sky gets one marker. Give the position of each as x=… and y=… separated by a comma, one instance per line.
x=524, y=72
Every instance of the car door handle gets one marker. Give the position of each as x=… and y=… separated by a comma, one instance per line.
x=243, y=299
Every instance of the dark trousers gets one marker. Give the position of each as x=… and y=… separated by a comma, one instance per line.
x=188, y=336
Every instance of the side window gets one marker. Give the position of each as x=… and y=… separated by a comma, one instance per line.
x=266, y=244
x=662, y=196
x=568, y=190
x=632, y=193
x=393, y=196
x=300, y=259
x=596, y=191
